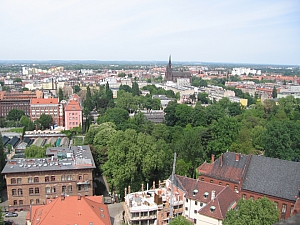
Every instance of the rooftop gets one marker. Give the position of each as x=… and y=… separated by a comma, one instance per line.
x=59, y=158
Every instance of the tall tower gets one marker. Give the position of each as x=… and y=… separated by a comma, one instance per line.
x=168, y=75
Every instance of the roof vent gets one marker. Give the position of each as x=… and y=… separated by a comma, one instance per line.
x=206, y=194
x=212, y=208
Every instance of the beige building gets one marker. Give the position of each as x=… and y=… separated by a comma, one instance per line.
x=66, y=171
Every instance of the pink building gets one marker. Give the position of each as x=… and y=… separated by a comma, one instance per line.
x=73, y=113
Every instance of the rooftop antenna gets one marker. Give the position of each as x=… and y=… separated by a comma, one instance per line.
x=172, y=181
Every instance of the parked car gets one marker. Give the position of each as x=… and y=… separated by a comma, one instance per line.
x=11, y=214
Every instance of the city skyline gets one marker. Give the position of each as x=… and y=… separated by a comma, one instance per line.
x=228, y=31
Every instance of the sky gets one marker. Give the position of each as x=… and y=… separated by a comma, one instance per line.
x=233, y=31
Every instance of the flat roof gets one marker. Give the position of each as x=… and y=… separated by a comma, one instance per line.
x=59, y=158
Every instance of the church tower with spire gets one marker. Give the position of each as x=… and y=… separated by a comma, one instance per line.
x=168, y=75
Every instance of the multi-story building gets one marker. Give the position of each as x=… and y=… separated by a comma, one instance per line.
x=16, y=100
x=73, y=113
x=66, y=171
x=152, y=206
x=254, y=177
x=49, y=106
x=70, y=210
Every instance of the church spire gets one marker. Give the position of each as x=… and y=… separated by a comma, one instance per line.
x=170, y=60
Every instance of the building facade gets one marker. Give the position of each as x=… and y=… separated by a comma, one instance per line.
x=49, y=106
x=66, y=171
x=255, y=176
x=73, y=113
x=171, y=75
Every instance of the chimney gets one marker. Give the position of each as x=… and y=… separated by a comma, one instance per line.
x=212, y=158
x=221, y=160
x=213, y=195
x=153, y=184
x=62, y=197
x=237, y=157
x=142, y=186
x=79, y=197
x=129, y=189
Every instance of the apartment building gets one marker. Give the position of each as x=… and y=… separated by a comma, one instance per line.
x=49, y=106
x=65, y=171
x=73, y=113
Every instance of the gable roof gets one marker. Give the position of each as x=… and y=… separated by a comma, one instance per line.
x=71, y=210
x=224, y=198
x=274, y=177
x=226, y=167
x=73, y=106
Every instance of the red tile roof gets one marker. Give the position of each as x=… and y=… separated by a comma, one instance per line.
x=44, y=101
x=73, y=106
x=71, y=210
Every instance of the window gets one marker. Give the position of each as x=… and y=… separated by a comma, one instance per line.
x=201, y=204
x=19, y=180
x=196, y=202
x=86, y=187
x=195, y=211
x=36, y=190
x=283, y=210
x=79, y=177
x=37, y=201
x=36, y=179
x=30, y=180
x=220, y=183
x=31, y=201
x=48, y=190
x=14, y=191
x=252, y=198
x=53, y=189
x=52, y=178
x=205, y=194
x=244, y=196
x=20, y=192
x=202, y=179
x=227, y=184
x=47, y=179
x=13, y=181
x=79, y=187
x=63, y=189
x=70, y=188
x=235, y=188
x=276, y=204
x=30, y=191
x=186, y=200
x=186, y=208
x=20, y=202
x=69, y=177
x=63, y=177
x=15, y=202
x=211, y=181
x=195, y=221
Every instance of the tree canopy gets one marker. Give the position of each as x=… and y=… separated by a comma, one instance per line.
x=262, y=211
x=180, y=220
x=15, y=114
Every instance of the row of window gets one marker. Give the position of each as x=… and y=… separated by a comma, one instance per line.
x=21, y=202
x=50, y=190
x=47, y=179
x=73, y=123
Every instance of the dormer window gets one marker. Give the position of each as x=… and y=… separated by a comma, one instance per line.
x=205, y=194
x=195, y=192
x=212, y=208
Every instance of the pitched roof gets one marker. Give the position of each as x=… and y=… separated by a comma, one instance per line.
x=73, y=106
x=226, y=167
x=44, y=101
x=224, y=198
x=71, y=210
x=274, y=177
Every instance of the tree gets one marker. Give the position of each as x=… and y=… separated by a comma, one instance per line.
x=16, y=80
x=2, y=163
x=45, y=121
x=88, y=102
x=180, y=220
x=15, y=114
x=203, y=98
x=60, y=94
x=126, y=88
x=183, y=114
x=76, y=89
x=35, y=152
x=1, y=217
x=262, y=211
x=274, y=92
x=108, y=92
x=170, y=117
x=135, y=89
x=116, y=115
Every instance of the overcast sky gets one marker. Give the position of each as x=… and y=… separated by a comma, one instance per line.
x=241, y=31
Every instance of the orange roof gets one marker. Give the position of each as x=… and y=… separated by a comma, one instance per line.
x=44, y=101
x=71, y=210
x=73, y=106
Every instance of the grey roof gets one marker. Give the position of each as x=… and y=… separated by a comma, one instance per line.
x=5, y=140
x=59, y=158
x=14, y=141
x=274, y=177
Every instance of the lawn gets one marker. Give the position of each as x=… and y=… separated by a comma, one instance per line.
x=17, y=130
x=77, y=141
